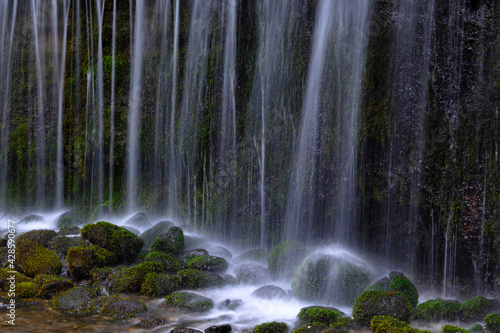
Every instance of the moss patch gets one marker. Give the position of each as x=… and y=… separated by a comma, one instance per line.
x=475, y=309
x=437, y=309
x=324, y=315
x=271, y=327
x=379, y=303
x=33, y=259
x=81, y=260
x=189, y=301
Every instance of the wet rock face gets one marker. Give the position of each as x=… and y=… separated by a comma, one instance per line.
x=380, y=303
x=73, y=301
x=269, y=292
x=152, y=233
x=252, y=274
x=185, y=330
x=189, y=301
x=33, y=259
x=170, y=242
x=209, y=264
x=219, y=329
x=139, y=220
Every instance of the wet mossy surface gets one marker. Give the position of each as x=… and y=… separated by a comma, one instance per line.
x=437, y=310
x=170, y=242
x=189, y=301
x=325, y=315
x=5, y=282
x=492, y=323
x=380, y=303
x=397, y=282
x=169, y=263
x=453, y=329
x=156, y=284
x=195, y=279
x=33, y=259
x=26, y=289
x=49, y=285
x=209, y=264
x=286, y=258
x=476, y=308
x=123, y=243
x=327, y=278
x=384, y=324
x=73, y=301
x=130, y=279
x=42, y=237
x=81, y=260
x=152, y=233
x=271, y=327
x=115, y=306
x=62, y=244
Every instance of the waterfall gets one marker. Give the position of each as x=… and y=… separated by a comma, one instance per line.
x=8, y=13
x=341, y=27
x=99, y=130
x=112, y=110
x=135, y=106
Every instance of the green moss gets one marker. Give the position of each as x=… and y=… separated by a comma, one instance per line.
x=327, y=278
x=492, y=323
x=453, y=329
x=4, y=274
x=69, y=230
x=73, y=301
x=286, y=258
x=403, y=285
x=115, y=306
x=382, y=284
x=189, y=301
x=123, y=243
x=195, y=279
x=314, y=327
x=475, y=309
x=477, y=328
x=61, y=244
x=130, y=279
x=209, y=264
x=437, y=310
x=271, y=327
x=33, y=259
x=81, y=260
x=49, y=285
x=170, y=263
x=26, y=289
x=155, y=284
x=170, y=242
x=324, y=315
x=379, y=303
x=383, y=324
x=152, y=233
x=41, y=237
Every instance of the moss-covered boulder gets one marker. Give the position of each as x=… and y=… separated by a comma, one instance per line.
x=170, y=242
x=187, y=256
x=398, y=282
x=49, y=285
x=61, y=244
x=185, y=330
x=130, y=279
x=26, y=289
x=6, y=279
x=123, y=243
x=68, y=219
x=437, y=310
x=132, y=230
x=226, y=328
x=73, y=301
x=116, y=307
x=152, y=233
x=384, y=324
x=33, y=259
x=195, y=279
x=151, y=321
x=317, y=327
x=69, y=230
x=251, y=273
x=380, y=303
x=492, y=323
x=81, y=260
x=321, y=314
x=32, y=219
x=218, y=251
x=475, y=309
x=139, y=220
x=254, y=255
x=209, y=264
x=286, y=258
x=453, y=329
x=329, y=279
x=269, y=292
x=156, y=284
x=42, y=237
x=189, y=301
x=101, y=213
x=476, y=328
x=170, y=263
x=271, y=327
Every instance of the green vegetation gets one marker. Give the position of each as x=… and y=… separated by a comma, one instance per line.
x=492, y=323
x=453, y=329
x=156, y=284
x=380, y=303
x=33, y=259
x=169, y=263
x=437, y=310
x=475, y=309
x=385, y=324
x=81, y=260
x=189, y=301
x=123, y=243
x=170, y=242
x=26, y=289
x=320, y=314
x=209, y=264
x=271, y=327
x=41, y=237
x=195, y=279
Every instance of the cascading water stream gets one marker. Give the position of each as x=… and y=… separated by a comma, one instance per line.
x=340, y=26
x=135, y=96
x=99, y=130
x=112, y=110
x=8, y=10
